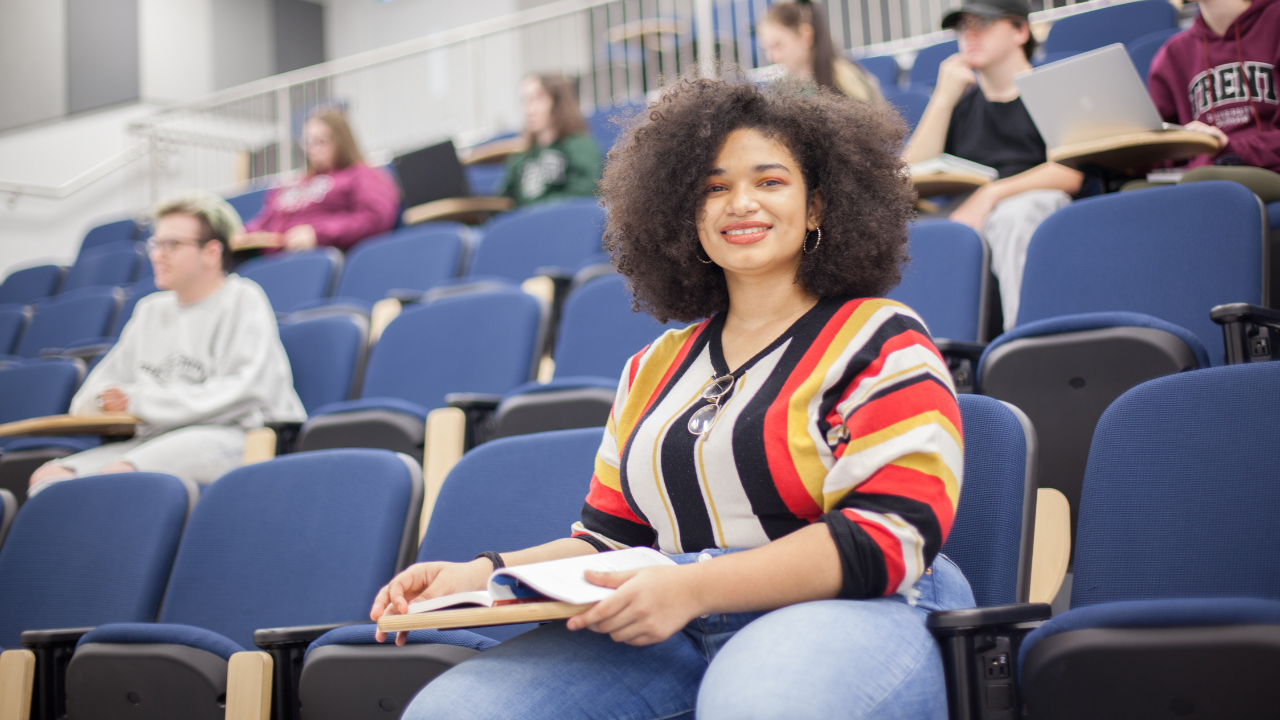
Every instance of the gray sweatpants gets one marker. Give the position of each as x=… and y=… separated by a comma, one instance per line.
x=201, y=453
x=1008, y=232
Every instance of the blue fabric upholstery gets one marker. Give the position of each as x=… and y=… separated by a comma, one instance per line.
x=598, y=330
x=943, y=282
x=1146, y=253
x=291, y=279
x=363, y=635
x=13, y=321
x=1177, y=471
x=111, y=264
x=481, y=342
x=516, y=245
x=486, y=178
x=884, y=68
x=324, y=354
x=249, y=204
x=73, y=443
x=1096, y=321
x=1118, y=23
x=374, y=403
x=924, y=71
x=985, y=539
x=111, y=232
x=62, y=321
x=1273, y=215
x=419, y=257
x=604, y=127
x=1198, y=612
x=30, y=284
x=909, y=103
x=1143, y=50
x=37, y=389
x=569, y=382
x=162, y=634
x=113, y=537
x=302, y=539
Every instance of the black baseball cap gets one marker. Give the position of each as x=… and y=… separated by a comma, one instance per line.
x=988, y=9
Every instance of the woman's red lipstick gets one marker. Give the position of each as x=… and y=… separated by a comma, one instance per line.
x=734, y=235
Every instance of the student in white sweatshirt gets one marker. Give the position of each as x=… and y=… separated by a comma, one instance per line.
x=198, y=364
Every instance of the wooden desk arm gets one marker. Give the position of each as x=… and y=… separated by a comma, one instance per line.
x=17, y=681
x=249, y=676
x=101, y=424
x=1051, y=548
x=451, y=208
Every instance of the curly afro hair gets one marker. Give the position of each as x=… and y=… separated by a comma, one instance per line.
x=847, y=149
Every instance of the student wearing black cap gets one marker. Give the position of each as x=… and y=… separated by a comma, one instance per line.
x=975, y=113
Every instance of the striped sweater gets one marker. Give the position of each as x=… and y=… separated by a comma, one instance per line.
x=849, y=418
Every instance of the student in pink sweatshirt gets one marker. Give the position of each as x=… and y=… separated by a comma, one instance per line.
x=1219, y=77
x=339, y=202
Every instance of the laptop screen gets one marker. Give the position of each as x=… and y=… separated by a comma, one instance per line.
x=432, y=173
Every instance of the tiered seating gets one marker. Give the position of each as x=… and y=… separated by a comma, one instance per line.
x=294, y=280
x=326, y=355
x=13, y=322
x=550, y=238
x=32, y=390
x=112, y=232
x=924, y=71
x=66, y=320
x=884, y=68
x=1143, y=50
x=31, y=284
x=1119, y=23
x=111, y=264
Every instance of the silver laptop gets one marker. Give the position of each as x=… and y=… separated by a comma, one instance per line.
x=1086, y=97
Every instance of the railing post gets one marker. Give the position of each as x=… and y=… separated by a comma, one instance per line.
x=284, y=133
x=706, y=38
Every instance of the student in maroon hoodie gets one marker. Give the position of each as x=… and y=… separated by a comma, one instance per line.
x=339, y=202
x=1219, y=77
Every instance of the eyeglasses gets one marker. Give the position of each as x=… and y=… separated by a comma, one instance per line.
x=974, y=22
x=166, y=245
x=702, y=420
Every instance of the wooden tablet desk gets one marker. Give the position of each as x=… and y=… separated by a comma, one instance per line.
x=481, y=616
x=104, y=424
x=469, y=210
x=931, y=184
x=1136, y=151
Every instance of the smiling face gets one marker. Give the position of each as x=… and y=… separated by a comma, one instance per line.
x=755, y=214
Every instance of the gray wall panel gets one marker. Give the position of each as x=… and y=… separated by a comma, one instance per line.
x=102, y=53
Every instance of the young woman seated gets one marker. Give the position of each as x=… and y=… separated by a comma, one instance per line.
x=561, y=161
x=795, y=36
x=798, y=452
x=339, y=202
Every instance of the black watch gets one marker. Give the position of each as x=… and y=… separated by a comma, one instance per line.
x=493, y=557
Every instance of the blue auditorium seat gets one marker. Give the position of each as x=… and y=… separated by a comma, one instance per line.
x=508, y=494
x=486, y=178
x=304, y=539
x=32, y=389
x=884, y=68
x=605, y=126
x=909, y=103
x=1119, y=23
x=521, y=244
x=112, y=232
x=110, y=264
x=481, y=342
x=946, y=280
x=249, y=204
x=598, y=335
x=326, y=355
x=13, y=322
x=1142, y=50
x=68, y=319
x=924, y=71
x=116, y=536
x=1117, y=290
x=292, y=280
x=1175, y=604
x=31, y=284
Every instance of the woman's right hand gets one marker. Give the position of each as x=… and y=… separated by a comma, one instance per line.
x=424, y=581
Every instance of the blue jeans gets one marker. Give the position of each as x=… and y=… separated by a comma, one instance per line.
x=822, y=659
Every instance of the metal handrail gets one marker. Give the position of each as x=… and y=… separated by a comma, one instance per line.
x=93, y=174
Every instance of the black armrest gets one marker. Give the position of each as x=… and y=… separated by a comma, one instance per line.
x=288, y=647
x=480, y=408
x=87, y=352
x=962, y=359
x=286, y=435
x=1250, y=333
x=979, y=657
x=53, y=650
x=406, y=296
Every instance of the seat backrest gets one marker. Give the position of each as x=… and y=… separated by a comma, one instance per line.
x=1182, y=491
x=512, y=493
x=598, y=330
x=991, y=536
x=8, y=509
x=31, y=284
x=13, y=321
x=516, y=245
x=326, y=355
x=476, y=343
x=249, y=204
x=111, y=264
x=924, y=71
x=115, y=535
x=418, y=257
x=1172, y=253
x=111, y=232
x=291, y=279
x=1143, y=50
x=132, y=295
x=36, y=389
x=910, y=104
x=946, y=281
x=884, y=68
x=66, y=319
x=1117, y=23
x=303, y=539
x=604, y=126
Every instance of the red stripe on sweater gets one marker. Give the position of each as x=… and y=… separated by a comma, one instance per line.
x=890, y=549
x=913, y=484
x=610, y=501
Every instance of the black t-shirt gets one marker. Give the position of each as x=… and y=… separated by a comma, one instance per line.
x=996, y=134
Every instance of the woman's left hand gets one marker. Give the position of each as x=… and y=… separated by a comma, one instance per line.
x=300, y=237
x=650, y=605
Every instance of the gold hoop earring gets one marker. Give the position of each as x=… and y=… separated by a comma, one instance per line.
x=704, y=262
x=804, y=245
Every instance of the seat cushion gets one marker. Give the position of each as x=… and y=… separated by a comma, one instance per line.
x=1194, y=612
x=573, y=382
x=162, y=633
x=373, y=403
x=1097, y=321
x=363, y=635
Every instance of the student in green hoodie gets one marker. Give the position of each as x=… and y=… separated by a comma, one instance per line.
x=562, y=160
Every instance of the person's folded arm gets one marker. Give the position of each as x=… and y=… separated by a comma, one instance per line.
x=376, y=202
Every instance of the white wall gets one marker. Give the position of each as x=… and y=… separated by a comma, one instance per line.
x=33, y=57
x=243, y=44
x=175, y=49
